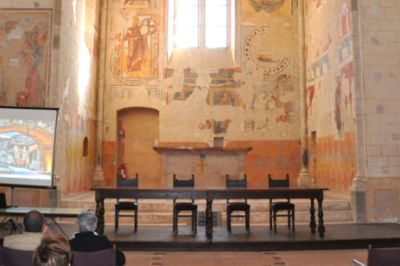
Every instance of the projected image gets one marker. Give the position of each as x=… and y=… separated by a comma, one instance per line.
x=27, y=146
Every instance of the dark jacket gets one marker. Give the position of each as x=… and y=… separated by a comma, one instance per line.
x=89, y=241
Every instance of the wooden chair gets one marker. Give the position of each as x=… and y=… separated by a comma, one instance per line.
x=275, y=207
x=237, y=206
x=381, y=257
x=184, y=206
x=16, y=257
x=105, y=257
x=127, y=205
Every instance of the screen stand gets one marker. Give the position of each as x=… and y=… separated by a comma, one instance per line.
x=12, y=198
x=14, y=226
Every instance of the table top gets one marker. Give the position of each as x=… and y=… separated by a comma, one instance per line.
x=209, y=193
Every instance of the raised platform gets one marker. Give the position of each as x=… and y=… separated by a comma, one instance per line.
x=346, y=236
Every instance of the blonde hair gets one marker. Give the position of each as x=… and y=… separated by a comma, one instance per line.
x=54, y=250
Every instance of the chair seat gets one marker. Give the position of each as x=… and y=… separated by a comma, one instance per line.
x=278, y=206
x=183, y=206
x=125, y=205
x=238, y=206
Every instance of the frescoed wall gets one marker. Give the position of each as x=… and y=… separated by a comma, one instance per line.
x=25, y=36
x=330, y=93
x=252, y=100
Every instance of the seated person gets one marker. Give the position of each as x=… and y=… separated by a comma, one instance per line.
x=88, y=240
x=54, y=250
x=34, y=227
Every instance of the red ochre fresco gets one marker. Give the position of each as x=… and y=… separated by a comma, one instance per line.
x=275, y=157
x=336, y=162
x=109, y=160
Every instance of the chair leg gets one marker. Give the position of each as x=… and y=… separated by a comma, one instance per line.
x=136, y=220
x=270, y=218
x=116, y=220
x=293, y=220
x=175, y=223
x=228, y=221
x=248, y=220
x=275, y=221
x=288, y=218
x=194, y=221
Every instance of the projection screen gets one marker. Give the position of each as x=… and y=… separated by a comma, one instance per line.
x=27, y=143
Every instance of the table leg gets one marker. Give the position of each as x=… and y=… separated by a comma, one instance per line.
x=321, y=227
x=100, y=215
x=209, y=219
x=312, y=216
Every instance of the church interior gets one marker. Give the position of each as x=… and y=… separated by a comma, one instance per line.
x=307, y=88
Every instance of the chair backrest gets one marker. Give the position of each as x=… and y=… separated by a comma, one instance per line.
x=183, y=182
x=278, y=182
x=16, y=257
x=105, y=257
x=3, y=201
x=236, y=183
x=383, y=256
x=134, y=182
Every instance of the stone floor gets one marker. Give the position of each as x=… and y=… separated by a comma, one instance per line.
x=279, y=258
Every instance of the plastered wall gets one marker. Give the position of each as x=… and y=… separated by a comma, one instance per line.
x=49, y=59
x=251, y=98
x=330, y=94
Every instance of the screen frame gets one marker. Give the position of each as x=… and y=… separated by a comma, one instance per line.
x=56, y=109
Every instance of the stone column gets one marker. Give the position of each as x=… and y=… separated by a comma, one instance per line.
x=98, y=175
x=304, y=177
x=359, y=185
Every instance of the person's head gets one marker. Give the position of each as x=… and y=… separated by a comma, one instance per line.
x=87, y=221
x=34, y=221
x=54, y=250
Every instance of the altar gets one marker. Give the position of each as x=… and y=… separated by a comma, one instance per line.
x=209, y=165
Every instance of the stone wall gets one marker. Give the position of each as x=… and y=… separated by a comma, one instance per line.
x=380, y=39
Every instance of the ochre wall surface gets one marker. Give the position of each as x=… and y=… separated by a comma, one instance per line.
x=330, y=93
x=252, y=98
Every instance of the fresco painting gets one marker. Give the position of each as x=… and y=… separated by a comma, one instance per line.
x=216, y=126
x=135, y=51
x=189, y=84
x=24, y=39
x=260, y=55
x=253, y=10
x=331, y=80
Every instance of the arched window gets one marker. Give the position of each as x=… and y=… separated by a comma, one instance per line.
x=201, y=24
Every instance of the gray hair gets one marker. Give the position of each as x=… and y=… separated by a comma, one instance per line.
x=87, y=221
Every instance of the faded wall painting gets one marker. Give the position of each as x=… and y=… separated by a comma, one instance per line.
x=330, y=92
x=24, y=56
x=254, y=10
x=135, y=50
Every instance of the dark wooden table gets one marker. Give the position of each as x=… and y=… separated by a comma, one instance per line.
x=209, y=194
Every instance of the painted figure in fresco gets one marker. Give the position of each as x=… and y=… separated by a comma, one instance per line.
x=32, y=52
x=137, y=47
